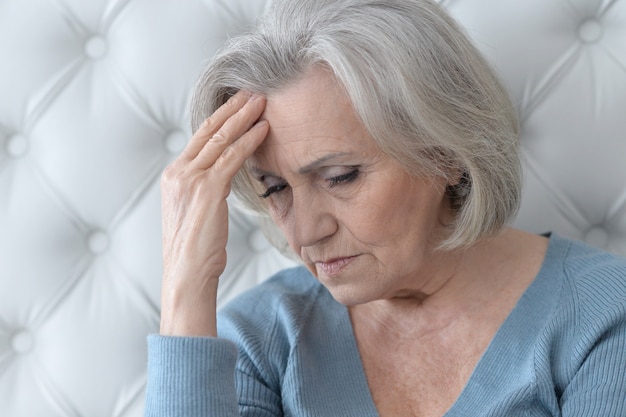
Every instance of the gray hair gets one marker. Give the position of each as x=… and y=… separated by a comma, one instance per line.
x=421, y=89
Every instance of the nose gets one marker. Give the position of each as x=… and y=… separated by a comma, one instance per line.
x=313, y=220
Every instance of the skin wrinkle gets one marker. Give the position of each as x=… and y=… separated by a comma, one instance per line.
x=322, y=222
x=418, y=278
x=436, y=309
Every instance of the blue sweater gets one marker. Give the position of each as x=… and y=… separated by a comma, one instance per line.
x=286, y=348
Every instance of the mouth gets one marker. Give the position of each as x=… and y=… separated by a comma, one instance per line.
x=333, y=267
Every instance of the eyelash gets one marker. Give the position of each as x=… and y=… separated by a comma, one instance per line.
x=273, y=189
x=339, y=179
x=344, y=178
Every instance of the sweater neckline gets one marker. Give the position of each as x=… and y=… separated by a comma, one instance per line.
x=503, y=356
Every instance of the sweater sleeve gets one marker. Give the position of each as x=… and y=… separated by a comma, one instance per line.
x=598, y=387
x=240, y=373
x=190, y=377
x=195, y=377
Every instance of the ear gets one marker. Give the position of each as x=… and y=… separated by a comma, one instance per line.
x=459, y=188
x=458, y=176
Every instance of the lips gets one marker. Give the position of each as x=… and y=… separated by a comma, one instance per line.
x=333, y=267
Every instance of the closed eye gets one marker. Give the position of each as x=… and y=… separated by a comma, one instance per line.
x=344, y=178
x=333, y=181
x=273, y=189
x=273, y=184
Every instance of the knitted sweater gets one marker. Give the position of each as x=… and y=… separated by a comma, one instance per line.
x=287, y=348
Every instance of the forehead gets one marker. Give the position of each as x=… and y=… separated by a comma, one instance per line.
x=309, y=119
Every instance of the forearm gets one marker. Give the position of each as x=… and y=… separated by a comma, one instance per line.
x=190, y=371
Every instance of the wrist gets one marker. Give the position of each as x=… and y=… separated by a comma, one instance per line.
x=189, y=313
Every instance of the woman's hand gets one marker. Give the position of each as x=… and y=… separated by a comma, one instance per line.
x=195, y=213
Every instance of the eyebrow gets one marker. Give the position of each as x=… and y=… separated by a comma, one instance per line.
x=305, y=169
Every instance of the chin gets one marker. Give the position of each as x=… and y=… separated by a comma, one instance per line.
x=349, y=297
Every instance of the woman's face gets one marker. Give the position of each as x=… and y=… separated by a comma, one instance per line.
x=363, y=226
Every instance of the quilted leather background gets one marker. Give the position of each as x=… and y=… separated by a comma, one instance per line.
x=93, y=104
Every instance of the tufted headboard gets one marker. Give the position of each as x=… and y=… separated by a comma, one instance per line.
x=94, y=102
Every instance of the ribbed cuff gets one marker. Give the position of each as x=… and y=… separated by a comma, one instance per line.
x=190, y=376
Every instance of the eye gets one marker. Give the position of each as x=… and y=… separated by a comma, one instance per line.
x=276, y=187
x=347, y=177
x=273, y=189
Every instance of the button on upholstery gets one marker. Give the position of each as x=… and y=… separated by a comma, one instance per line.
x=16, y=146
x=22, y=341
x=597, y=236
x=257, y=241
x=95, y=99
x=590, y=31
x=98, y=242
x=95, y=47
x=175, y=142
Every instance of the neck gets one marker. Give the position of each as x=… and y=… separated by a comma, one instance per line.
x=474, y=283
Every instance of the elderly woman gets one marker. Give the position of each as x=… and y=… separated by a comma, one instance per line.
x=384, y=151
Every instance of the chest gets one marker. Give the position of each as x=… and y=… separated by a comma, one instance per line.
x=421, y=370
x=419, y=380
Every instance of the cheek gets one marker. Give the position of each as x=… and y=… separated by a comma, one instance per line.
x=369, y=217
x=378, y=225
x=278, y=209
x=398, y=215
x=279, y=205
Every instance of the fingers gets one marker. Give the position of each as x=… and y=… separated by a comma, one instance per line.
x=234, y=128
x=195, y=212
x=213, y=123
x=234, y=156
x=242, y=109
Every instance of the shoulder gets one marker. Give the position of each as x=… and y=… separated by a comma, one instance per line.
x=594, y=288
x=272, y=312
x=286, y=288
x=267, y=322
x=597, y=275
x=585, y=338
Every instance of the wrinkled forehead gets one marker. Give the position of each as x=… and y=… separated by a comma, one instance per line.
x=309, y=119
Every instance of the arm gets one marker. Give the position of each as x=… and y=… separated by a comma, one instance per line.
x=190, y=371
x=198, y=377
x=598, y=387
x=195, y=214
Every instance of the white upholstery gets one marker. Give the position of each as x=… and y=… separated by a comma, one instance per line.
x=93, y=104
